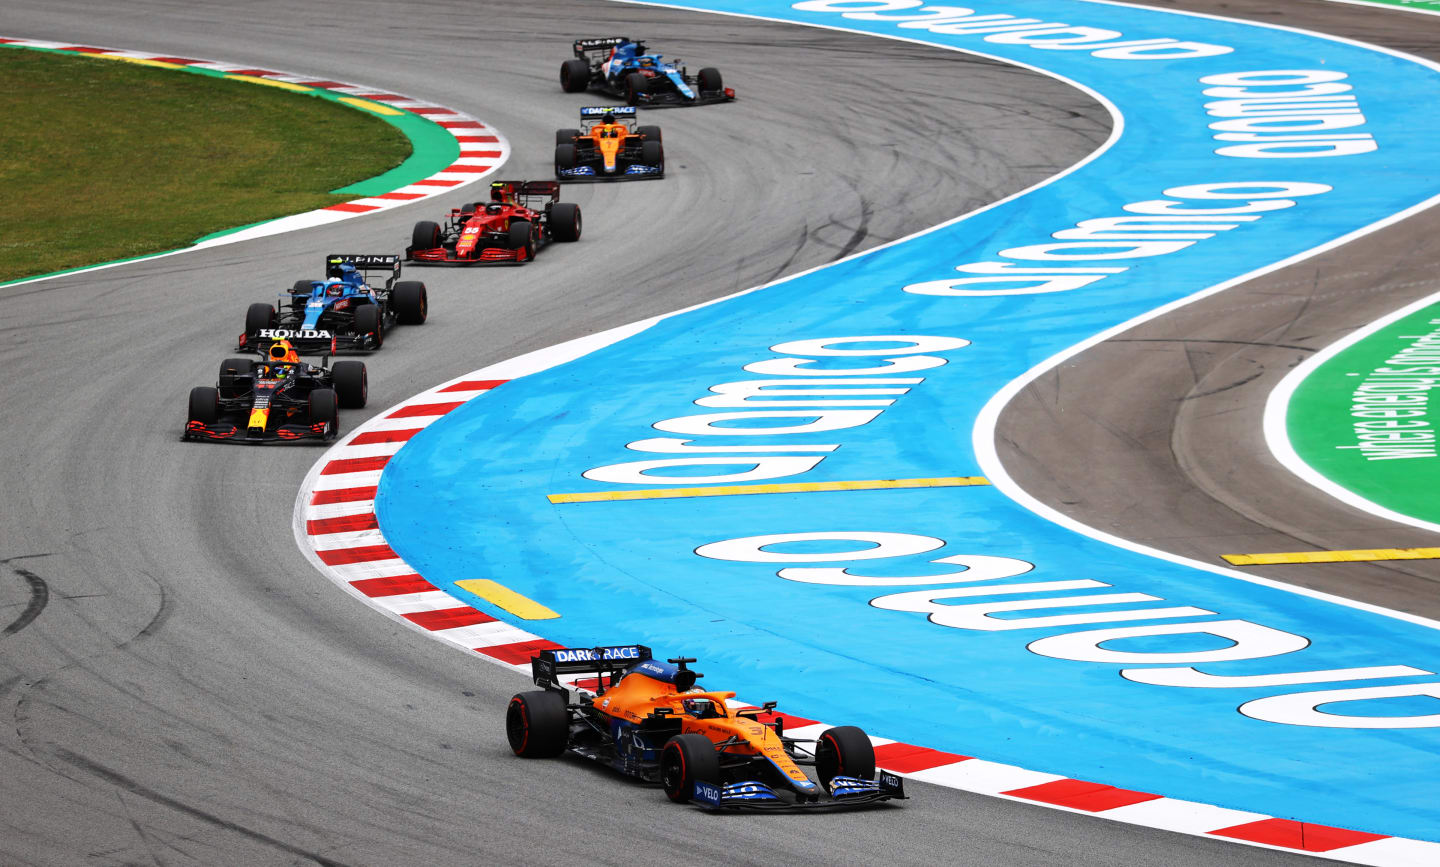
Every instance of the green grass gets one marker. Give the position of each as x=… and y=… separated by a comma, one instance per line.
x=103, y=160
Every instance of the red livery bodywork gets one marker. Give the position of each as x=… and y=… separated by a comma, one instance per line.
x=521, y=218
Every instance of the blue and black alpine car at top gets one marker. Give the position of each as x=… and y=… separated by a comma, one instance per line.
x=621, y=67
x=342, y=311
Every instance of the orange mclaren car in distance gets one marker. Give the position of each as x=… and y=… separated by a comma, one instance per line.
x=648, y=719
x=609, y=145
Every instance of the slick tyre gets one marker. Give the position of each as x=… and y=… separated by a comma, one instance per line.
x=537, y=724
x=204, y=404
x=519, y=239
x=565, y=221
x=324, y=407
x=412, y=302
x=709, y=79
x=566, y=136
x=368, y=321
x=686, y=759
x=574, y=75
x=352, y=385
x=635, y=85
x=652, y=153
x=564, y=157
x=259, y=316
x=651, y=133
x=426, y=235
x=844, y=751
x=230, y=370
x=300, y=293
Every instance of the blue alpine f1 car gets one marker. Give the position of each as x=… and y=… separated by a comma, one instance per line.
x=342, y=311
x=622, y=67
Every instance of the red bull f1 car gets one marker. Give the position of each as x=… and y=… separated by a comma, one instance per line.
x=276, y=399
x=361, y=297
x=609, y=146
x=648, y=719
x=521, y=219
x=620, y=66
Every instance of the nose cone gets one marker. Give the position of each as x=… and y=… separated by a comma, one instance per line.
x=807, y=787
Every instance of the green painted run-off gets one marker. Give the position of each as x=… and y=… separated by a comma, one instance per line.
x=1420, y=5
x=1367, y=419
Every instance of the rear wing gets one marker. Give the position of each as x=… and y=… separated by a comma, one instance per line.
x=595, y=112
x=521, y=192
x=367, y=264
x=548, y=665
x=584, y=46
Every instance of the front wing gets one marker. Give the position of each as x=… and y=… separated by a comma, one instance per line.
x=483, y=256
x=846, y=793
x=234, y=431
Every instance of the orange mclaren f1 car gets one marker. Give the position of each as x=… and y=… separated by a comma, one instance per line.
x=647, y=719
x=609, y=146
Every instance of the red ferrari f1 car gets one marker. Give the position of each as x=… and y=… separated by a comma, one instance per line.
x=647, y=719
x=521, y=218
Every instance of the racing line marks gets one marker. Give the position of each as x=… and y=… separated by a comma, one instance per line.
x=1359, y=555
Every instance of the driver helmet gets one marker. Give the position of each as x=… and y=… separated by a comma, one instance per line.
x=335, y=288
x=647, y=61
x=494, y=208
x=282, y=352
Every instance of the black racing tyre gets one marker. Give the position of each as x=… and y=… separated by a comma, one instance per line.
x=564, y=157
x=652, y=153
x=651, y=133
x=574, y=75
x=351, y=384
x=324, y=406
x=565, y=221
x=260, y=315
x=204, y=404
x=412, y=302
x=709, y=79
x=300, y=292
x=635, y=84
x=686, y=759
x=230, y=368
x=537, y=724
x=426, y=235
x=566, y=136
x=844, y=750
x=236, y=367
x=519, y=238
x=369, y=321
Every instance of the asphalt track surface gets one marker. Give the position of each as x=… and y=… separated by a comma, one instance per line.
x=1168, y=415
x=179, y=686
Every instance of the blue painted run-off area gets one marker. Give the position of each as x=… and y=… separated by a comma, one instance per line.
x=467, y=498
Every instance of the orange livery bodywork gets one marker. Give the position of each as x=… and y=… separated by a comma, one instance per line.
x=648, y=719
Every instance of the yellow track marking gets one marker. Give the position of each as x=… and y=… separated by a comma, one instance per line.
x=504, y=597
x=789, y=488
x=283, y=85
x=370, y=106
x=138, y=60
x=1355, y=556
